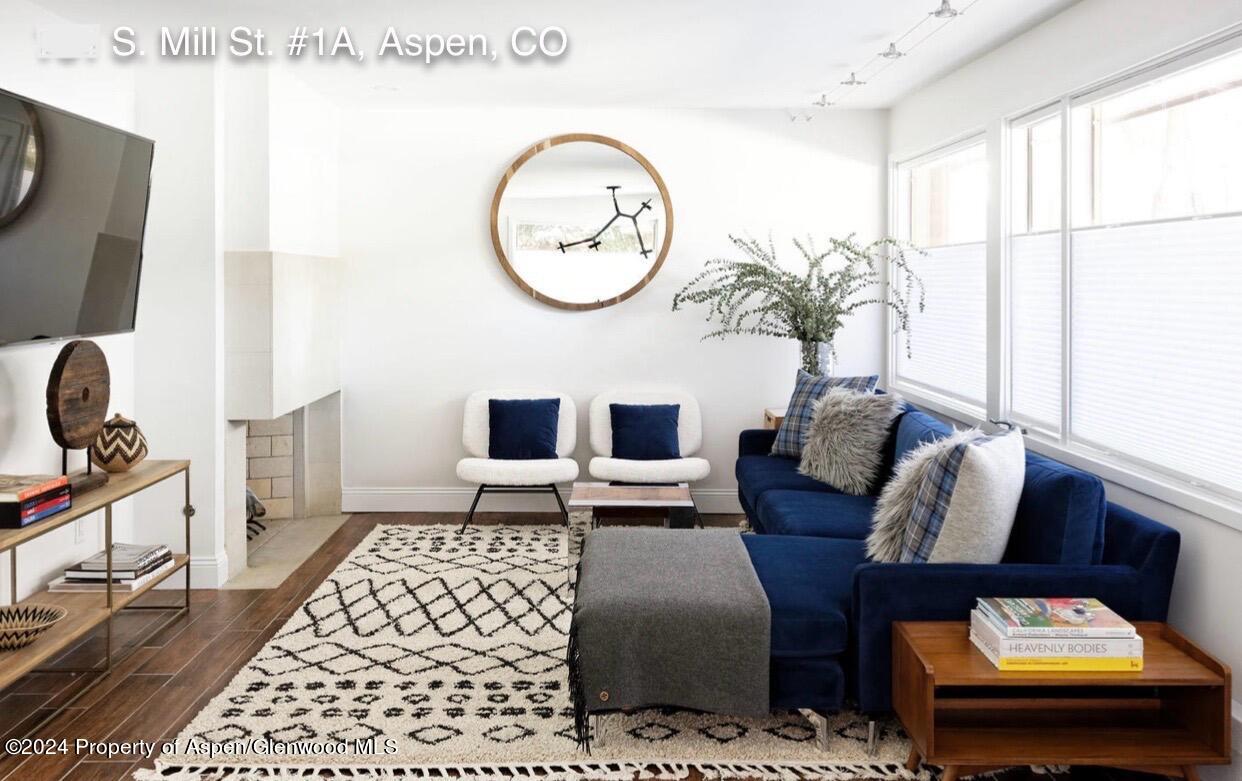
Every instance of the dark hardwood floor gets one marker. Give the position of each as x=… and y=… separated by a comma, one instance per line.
x=168, y=676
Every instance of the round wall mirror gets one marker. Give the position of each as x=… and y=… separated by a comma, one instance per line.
x=21, y=156
x=581, y=221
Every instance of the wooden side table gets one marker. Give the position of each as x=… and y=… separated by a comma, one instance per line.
x=773, y=417
x=967, y=716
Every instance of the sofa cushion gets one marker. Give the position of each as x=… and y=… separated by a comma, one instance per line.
x=916, y=428
x=815, y=514
x=1060, y=518
x=758, y=474
x=809, y=584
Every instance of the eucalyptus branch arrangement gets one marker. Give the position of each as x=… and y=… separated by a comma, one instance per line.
x=756, y=295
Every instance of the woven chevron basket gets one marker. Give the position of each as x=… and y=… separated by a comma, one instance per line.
x=120, y=445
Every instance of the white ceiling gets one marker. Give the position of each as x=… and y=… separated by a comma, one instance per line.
x=656, y=53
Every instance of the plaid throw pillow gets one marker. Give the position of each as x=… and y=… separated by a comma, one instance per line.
x=965, y=506
x=807, y=390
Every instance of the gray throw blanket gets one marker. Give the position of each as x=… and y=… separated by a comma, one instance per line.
x=666, y=617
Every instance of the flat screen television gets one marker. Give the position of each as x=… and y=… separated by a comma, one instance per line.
x=73, y=210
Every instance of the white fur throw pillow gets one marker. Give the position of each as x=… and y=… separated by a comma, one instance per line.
x=896, y=503
x=845, y=442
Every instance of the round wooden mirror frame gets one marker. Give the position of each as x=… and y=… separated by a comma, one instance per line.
x=40, y=150
x=567, y=138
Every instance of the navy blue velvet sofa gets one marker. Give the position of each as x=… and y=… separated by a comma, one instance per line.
x=833, y=610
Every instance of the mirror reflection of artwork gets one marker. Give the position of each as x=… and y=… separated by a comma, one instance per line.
x=21, y=156
x=581, y=222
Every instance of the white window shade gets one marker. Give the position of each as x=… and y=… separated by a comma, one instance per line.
x=1156, y=359
x=1035, y=329
x=948, y=341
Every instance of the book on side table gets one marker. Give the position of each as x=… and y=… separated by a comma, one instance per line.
x=1054, y=634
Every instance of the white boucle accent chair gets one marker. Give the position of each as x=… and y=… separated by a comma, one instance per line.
x=675, y=470
x=539, y=475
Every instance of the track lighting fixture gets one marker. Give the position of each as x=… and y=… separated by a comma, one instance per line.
x=833, y=95
x=892, y=52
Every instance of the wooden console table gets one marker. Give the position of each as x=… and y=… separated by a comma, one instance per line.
x=967, y=716
x=87, y=610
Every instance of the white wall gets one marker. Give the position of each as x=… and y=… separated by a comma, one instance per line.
x=1088, y=42
x=305, y=130
x=430, y=315
x=179, y=338
x=105, y=94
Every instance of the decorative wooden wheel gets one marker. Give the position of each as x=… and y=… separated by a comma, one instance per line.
x=78, y=391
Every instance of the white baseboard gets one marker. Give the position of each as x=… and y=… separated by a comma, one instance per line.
x=409, y=499
x=205, y=572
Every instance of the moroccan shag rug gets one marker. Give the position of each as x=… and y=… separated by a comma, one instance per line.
x=433, y=654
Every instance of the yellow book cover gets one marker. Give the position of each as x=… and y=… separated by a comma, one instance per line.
x=1053, y=664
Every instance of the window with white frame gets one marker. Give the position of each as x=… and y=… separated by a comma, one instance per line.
x=1035, y=271
x=942, y=209
x=1125, y=309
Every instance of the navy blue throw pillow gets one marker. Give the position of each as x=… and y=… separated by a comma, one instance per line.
x=645, y=432
x=522, y=428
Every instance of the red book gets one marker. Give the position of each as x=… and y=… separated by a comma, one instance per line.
x=46, y=502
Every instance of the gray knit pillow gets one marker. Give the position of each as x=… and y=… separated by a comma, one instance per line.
x=896, y=503
x=845, y=442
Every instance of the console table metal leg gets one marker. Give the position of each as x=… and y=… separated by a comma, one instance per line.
x=188, y=512
x=13, y=575
x=108, y=581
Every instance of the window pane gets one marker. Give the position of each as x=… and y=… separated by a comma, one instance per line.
x=948, y=341
x=948, y=199
x=946, y=215
x=1166, y=149
x=1035, y=274
x=1035, y=338
x=1157, y=344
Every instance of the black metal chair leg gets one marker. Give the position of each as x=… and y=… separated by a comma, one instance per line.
x=470, y=515
x=564, y=512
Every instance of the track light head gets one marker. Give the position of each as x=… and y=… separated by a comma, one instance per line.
x=945, y=11
x=892, y=52
x=853, y=81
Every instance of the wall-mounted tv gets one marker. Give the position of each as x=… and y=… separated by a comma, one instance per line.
x=73, y=209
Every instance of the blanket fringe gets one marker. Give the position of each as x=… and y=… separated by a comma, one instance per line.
x=573, y=771
x=577, y=694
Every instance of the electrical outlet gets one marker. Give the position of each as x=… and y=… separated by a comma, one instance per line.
x=79, y=533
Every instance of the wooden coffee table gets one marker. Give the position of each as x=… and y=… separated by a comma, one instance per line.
x=967, y=716
x=673, y=501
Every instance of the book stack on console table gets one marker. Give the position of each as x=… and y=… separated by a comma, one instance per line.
x=25, y=499
x=1054, y=635
x=133, y=566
